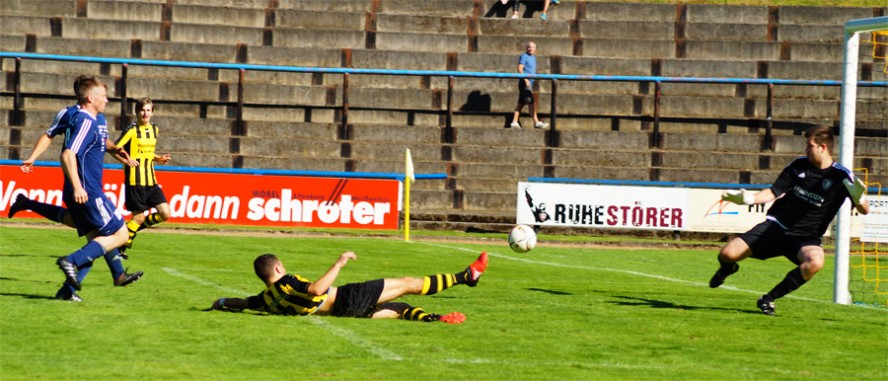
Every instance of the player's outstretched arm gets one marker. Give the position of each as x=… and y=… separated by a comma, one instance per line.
x=320, y=286
x=40, y=146
x=744, y=197
x=69, y=166
x=237, y=304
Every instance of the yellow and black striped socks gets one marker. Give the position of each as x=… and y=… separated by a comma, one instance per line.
x=436, y=283
x=418, y=314
x=131, y=228
x=151, y=220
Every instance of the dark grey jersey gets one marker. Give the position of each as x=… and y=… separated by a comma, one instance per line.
x=811, y=197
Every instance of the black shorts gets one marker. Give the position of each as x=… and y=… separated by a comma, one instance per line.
x=525, y=95
x=769, y=240
x=357, y=299
x=141, y=198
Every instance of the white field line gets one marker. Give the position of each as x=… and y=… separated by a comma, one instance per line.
x=607, y=269
x=343, y=333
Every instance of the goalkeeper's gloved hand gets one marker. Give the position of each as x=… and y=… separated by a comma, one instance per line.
x=857, y=190
x=740, y=197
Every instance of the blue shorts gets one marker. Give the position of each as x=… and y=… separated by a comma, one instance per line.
x=96, y=214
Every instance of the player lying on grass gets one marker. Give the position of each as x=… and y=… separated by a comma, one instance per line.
x=807, y=194
x=290, y=294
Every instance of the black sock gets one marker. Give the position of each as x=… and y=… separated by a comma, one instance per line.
x=418, y=314
x=49, y=211
x=790, y=283
x=725, y=265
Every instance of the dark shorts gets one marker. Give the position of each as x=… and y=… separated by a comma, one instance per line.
x=97, y=213
x=358, y=299
x=769, y=240
x=525, y=95
x=142, y=198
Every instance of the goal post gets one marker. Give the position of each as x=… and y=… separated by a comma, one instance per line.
x=853, y=28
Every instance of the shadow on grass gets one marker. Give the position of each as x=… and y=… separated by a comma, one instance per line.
x=652, y=303
x=8, y=279
x=28, y=296
x=553, y=292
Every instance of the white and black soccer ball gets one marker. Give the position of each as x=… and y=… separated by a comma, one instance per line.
x=522, y=239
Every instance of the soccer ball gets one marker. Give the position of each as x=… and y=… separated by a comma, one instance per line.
x=522, y=239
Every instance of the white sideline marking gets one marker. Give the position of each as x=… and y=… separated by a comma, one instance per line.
x=607, y=269
x=349, y=336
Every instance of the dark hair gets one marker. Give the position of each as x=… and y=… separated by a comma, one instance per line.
x=821, y=135
x=264, y=266
x=142, y=102
x=80, y=80
x=86, y=86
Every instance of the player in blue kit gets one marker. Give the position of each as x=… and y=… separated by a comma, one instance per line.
x=91, y=211
x=60, y=126
x=807, y=194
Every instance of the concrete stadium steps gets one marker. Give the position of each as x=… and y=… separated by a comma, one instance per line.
x=704, y=161
x=199, y=144
x=21, y=25
x=291, y=95
x=733, y=50
x=422, y=23
x=496, y=138
x=383, y=59
x=725, y=14
x=395, y=134
x=698, y=175
x=712, y=142
x=188, y=51
x=502, y=201
x=319, y=20
x=603, y=140
x=201, y=159
x=295, y=113
x=395, y=151
x=290, y=147
x=602, y=66
x=186, y=127
x=12, y=43
x=422, y=42
x=320, y=5
x=395, y=117
x=322, y=39
x=173, y=89
x=449, y=8
x=305, y=131
x=278, y=55
x=635, y=12
x=216, y=34
x=47, y=8
x=266, y=77
x=53, y=70
x=612, y=158
x=554, y=28
x=124, y=10
x=87, y=28
x=606, y=173
x=485, y=155
x=701, y=107
x=515, y=45
x=728, y=30
x=626, y=48
x=627, y=30
x=216, y=15
x=294, y=163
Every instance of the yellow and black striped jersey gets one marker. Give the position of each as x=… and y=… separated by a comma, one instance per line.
x=288, y=296
x=139, y=142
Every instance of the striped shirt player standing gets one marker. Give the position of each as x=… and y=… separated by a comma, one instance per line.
x=807, y=194
x=91, y=211
x=290, y=294
x=142, y=191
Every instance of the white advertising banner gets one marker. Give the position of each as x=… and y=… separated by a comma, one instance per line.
x=602, y=206
x=875, y=224
x=656, y=208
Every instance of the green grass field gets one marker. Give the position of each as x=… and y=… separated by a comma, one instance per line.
x=556, y=313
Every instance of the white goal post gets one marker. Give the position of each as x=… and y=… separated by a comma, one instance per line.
x=853, y=28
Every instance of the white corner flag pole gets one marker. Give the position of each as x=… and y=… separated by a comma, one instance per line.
x=409, y=177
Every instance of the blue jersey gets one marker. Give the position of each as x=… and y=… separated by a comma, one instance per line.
x=530, y=64
x=86, y=138
x=62, y=121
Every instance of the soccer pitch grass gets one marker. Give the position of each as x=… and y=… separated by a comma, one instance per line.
x=556, y=313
